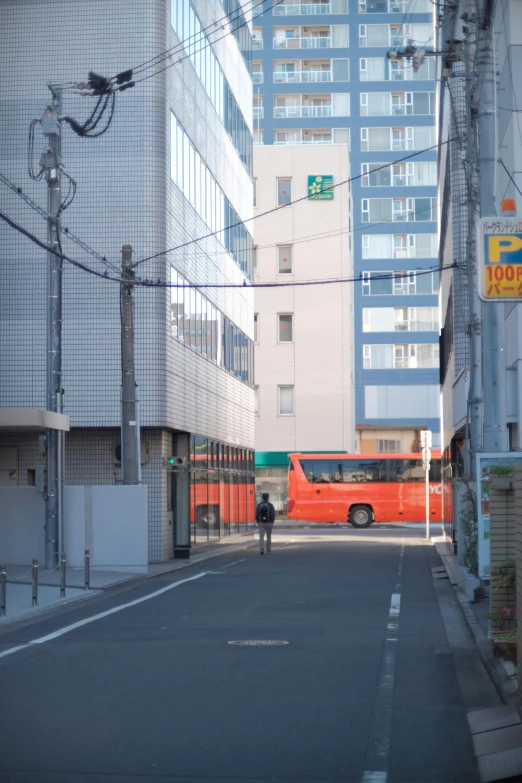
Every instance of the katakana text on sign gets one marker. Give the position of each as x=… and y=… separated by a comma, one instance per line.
x=499, y=250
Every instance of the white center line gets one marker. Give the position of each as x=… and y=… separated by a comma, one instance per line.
x=68, y=628
x=379, y=742
x=395, y=605
x=375, y=777
x=235, y=563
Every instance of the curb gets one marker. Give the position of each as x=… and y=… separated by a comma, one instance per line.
x=8, y=623
x=506, y=687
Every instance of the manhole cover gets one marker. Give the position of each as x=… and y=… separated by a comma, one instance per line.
x=258, y=642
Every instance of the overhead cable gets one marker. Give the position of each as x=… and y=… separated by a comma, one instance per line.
x=245, y=285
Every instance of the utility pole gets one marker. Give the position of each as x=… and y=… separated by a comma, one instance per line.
x=129, y=424
x=494, y=362
x=475, y=394
x=51, y=163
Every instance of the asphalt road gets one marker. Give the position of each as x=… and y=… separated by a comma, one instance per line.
x=362, y=691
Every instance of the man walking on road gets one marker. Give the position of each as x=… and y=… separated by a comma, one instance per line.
x=265, y=518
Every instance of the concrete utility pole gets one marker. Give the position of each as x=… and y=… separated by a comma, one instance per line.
x=129, y=424
x=51, y=163
x=475, y=395
x=494, y=362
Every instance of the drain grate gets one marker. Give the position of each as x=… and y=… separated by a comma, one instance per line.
x=455, y=650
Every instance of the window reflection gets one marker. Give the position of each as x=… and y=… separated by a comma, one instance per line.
x=200, y=325
x=337, y=471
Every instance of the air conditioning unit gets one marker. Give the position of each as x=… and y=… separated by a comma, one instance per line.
x=144, y=454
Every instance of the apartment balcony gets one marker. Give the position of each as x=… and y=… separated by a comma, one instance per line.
x=298, y=9
x=257, y=77
x=299, y=77
x=258, y=112
x=291, y=138
x=257, y=43
x=309, y=42
x=385, y=6
x=290, y=112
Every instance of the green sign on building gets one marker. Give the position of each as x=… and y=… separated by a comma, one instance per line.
x=320, y=187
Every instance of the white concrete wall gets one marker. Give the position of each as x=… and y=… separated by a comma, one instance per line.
x=319, y=360
x=22, y=520
x=109, y=521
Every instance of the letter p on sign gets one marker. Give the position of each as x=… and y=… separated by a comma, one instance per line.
x=502, y=244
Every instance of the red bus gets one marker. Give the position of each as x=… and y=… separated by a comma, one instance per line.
x=363, y=488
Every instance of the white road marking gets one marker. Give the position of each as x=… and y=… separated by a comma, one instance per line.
x=235, y=563
x=68, y=628
x=395, y=605
x=13, y=650
x=379, y=741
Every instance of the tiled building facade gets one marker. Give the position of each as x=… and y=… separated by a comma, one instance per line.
x=174, y=165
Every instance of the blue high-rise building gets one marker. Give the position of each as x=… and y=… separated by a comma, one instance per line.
x=321, y=76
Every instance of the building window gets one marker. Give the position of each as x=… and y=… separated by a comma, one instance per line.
x=400, y=357
x=285, y=259
x=191, y=34
x=254, y=192
x=388, y=446
x=284, y=191
x=256, y=390
x=285, y=328
x=254, y=260
x=256, y=327
x=199, y=325
x=194, y=179
x=400, y=319
x=286, y=400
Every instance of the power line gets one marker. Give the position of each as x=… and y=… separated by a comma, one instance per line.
x=290, y=204
x=308, y=238
x=49, y=249
x=510, y=176
x=247, y=286
x=159, y=58
x=43, y=213
x=508, y=57
x=206, y=45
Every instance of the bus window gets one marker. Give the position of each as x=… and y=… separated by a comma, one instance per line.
x=396, y=468
x=321, y=471
x=336, y=471
x=435, y=472
x=357, y=470
x=413, y=470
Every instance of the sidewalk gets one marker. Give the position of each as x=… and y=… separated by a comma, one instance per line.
x=19, y=584
x=476, y=615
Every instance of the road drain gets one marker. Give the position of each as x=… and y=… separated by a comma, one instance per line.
x=455, y=650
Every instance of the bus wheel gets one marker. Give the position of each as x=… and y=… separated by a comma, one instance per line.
x=207, y=517
x=360, y=516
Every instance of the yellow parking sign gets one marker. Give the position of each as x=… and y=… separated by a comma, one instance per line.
x=499, y=251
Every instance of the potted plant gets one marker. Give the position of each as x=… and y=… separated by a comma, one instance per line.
x=503, y=633
x=504, y=575
x=502, y=477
